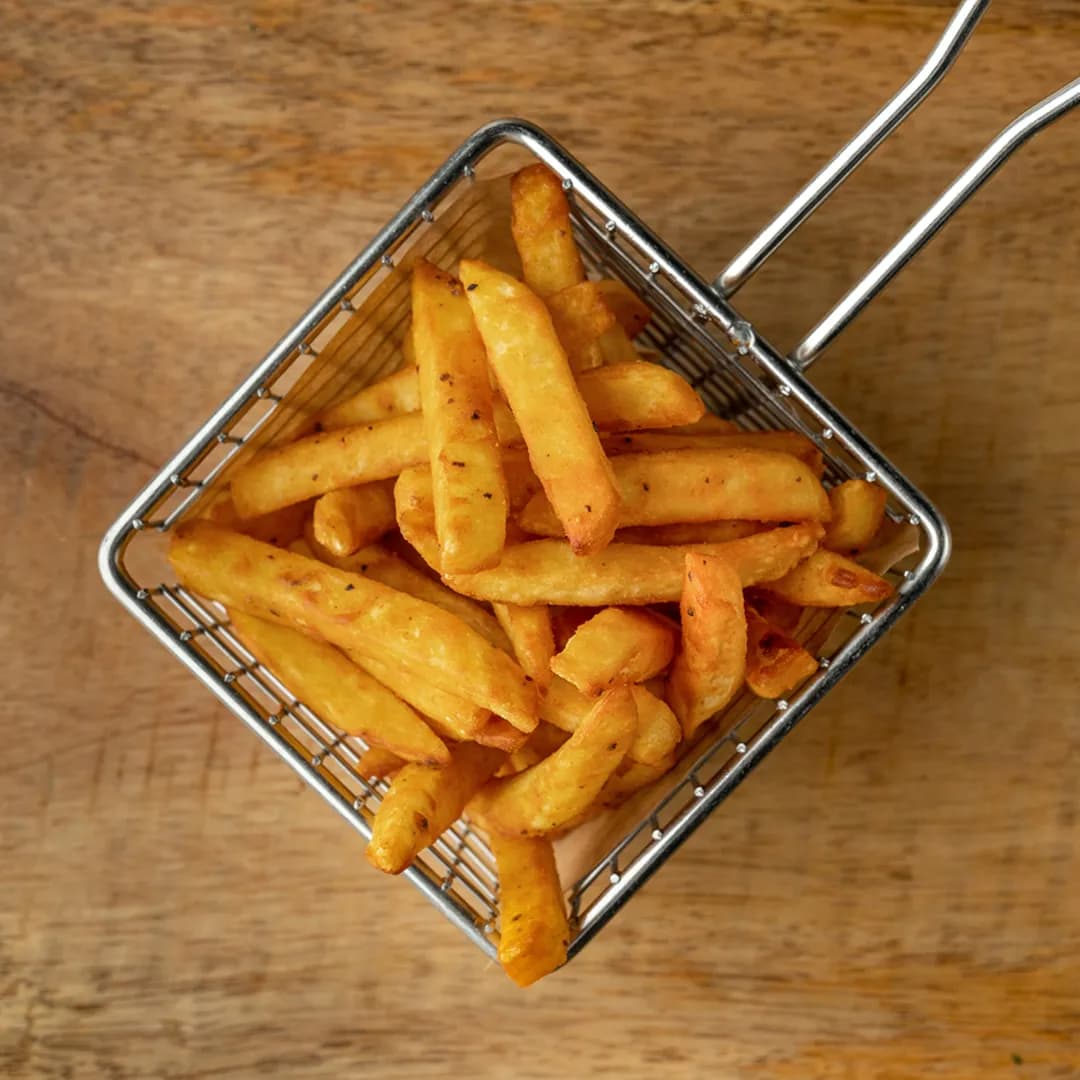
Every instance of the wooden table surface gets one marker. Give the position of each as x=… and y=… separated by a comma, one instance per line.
x=896, y=893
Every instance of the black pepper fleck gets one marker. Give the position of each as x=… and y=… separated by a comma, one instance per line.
x=363, y=568
x=444, y=376
x=472, y=286
x=644, y=487
x=613, y=746
x=349, y=587
x=487, y=494
x=588, y=508
x=318, y=425
x=314, y=476
x=690, y=612
x=475, y=415
x=458, y=464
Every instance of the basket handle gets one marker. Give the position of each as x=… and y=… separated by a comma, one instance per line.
x=924, y=228
x=882, y=124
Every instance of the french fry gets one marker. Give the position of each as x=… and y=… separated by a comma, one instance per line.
x=279, y=527
x=423, y=803
x=530, y=633
x=702, y=485
x=631, y=312
x=627, y=780
x=616, y=647
x=540, y=222
x=783, y=442
x=581, y=317
x=778, y=613
x=320, y=463
x=455, y=391
x=547, y=571
x=543, y=742
x=858, y=509
x=554, y=791
x=828, y=579
x=616, y=347
x=658, y=731
x=533, y=931
x=414, y=504
x=533, y=373
x=694, y=532
x=395, y=395
x=378, y=764
x=775, y=663
x=630, y=396
x=339, y=691
x=347, y=519
x=711, y=664
x=354, y=613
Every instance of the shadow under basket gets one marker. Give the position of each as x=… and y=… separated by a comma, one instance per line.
x=351, y=337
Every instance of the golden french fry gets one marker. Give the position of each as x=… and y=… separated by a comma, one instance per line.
x=378, y=764
x=827, y=579
x=702, y=485
x=711, y=664
x=423, y=803
x=345, y=520
x=775, y=663
x=783, y=442
x=339, y=691
x=533, y=931
x=320, y=463
x=548, y=572
x=354, y=613
x=414, y=503
x=395, y=395
x=554, y=791
x=543, y=742
x=658, y=731
x=279, y=527
x=694, y=532
x=858, y=509
x=631, y=312
x=540, y=222
x=581, y=317
x=533, y=373
x=530, y=633
x=616, y=646
x=615, y=347
x=455, y=392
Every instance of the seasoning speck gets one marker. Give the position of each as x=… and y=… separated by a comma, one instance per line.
x=690, y=612
x=644, y=487
x=588, y=508
x=487, y=495
x=314, y=476
x=363, y=568
x=475, y=415
x=444, y=376
x=349, y=587
x=458, y=464
x=472, y=286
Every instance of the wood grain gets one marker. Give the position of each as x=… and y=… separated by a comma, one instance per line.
x=894, y=894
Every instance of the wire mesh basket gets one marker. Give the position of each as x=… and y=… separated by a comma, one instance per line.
x=352, y=336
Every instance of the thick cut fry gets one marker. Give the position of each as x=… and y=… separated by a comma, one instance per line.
x=709, y=669
x=547, y=572
x=279, y=527
x=615, y=647
x=581, y=317
x=345, y=520
x=775, y=663
x=324, y=462
x=783, y=442
x=455, y=392
x=827, y=579
x=626, y=781
x=616, y=348
x=702, y=485
x=631, y=396
x=414, y=504
x=533, y=931
x=540, y=222
x=530, y=633
x=631, y=312
x=395, y=395
x=543, y=742
x=532, y=370
x=858, y=508
x=658, y=731
x=694, y=532
x=378, y=764
x=354, y=613
x=553, y=792
x=339, y=691
x=423, y=803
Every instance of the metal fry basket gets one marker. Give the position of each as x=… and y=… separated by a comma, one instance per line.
x=352, y=336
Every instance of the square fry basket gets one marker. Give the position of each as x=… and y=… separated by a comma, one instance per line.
x=352, y=336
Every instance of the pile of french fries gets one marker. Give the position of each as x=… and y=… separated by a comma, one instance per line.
x=474, y=564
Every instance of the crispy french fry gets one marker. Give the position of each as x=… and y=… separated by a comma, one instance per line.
x=533, y=373
x=858, y=509
x=828, y=579
x=702, y=485
x=347, y=519
x=379, y=764
x=711, y=664
x=320, y=463
x=616, y=646
x=540, y=222
x=543, y=742
x=530, y=633
x=395, y=395
x=581, y=317
x=775, y=663
x=631, y=312
x=414, y=503
x=694, y=532
x=339, y=691
x=455, y=392
x=783, y=442
x=533, y=931
x=279, y=527
x=658, y=731
x=423, y=803
x=547, y=571
x=631, y=396
x=554, y=791
x=354, y=613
